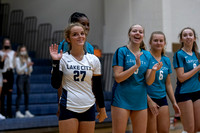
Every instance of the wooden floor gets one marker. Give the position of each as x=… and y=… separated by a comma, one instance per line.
x=100, y=128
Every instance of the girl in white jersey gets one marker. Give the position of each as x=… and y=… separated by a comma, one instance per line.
x=79, y=72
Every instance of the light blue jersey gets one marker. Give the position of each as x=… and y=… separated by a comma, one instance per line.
x=131, y=94
x=158, y=89
x=65, y=47
x=188, y=62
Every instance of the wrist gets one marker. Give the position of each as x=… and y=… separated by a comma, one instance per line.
x=55, y=63
x=102, y=109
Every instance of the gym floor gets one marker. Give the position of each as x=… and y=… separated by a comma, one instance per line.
x=100, y=128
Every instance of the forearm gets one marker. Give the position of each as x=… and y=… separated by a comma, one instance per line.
x=98, y=91
x=121, y=76
x=185, y=76
x=150, y=77
x=60, y=92
x=56, y=77
x=170, y=93
x=148, y=99
x=20, y=69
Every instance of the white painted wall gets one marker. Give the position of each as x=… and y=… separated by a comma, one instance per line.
x=111, y=19
x=120, y=15
x=57, y=12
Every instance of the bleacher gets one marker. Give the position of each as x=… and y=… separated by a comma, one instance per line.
x=43, y=101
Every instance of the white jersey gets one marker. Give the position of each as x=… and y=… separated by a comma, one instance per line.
x=9, y=61
x=77, y=80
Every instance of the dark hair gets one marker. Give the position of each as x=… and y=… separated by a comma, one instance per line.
x=195, y=47
x=74, y=18
x=160, y=33
x=67, y=31
x=142, y=44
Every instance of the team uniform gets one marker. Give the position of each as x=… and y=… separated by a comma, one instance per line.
x=65, y=47
x=189, y=89
x=157, y=91
x=131, y=94
x=77, y=100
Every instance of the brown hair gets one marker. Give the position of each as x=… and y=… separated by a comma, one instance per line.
x=67, y=31
x=18, y=52
x=195, y=47
x=142, y=44
x=160, y=33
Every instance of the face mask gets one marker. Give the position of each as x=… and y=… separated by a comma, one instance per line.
x=23, y=53
x=6, y=47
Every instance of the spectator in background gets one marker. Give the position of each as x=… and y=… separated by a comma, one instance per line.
x=1, y=80
x=24, y=69
x=8, y=76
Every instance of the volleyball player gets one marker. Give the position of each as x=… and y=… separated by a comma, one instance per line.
x=81, y=18
x=186, y=63
x=77, y=71
x=158, y=112
x=132, y=72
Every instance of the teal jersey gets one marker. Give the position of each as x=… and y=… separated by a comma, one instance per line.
x=65, y=47
x=158, y=89
x=131, y=94
x=187, y=62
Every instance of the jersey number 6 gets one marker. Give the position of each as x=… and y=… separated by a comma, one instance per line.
x=77, y=74
x=161, y=75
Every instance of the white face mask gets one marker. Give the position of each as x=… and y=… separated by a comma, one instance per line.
x=23, y=53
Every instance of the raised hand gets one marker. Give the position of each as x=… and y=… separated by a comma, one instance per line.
x=53, y=50
x=157, y=66
x=137, y=59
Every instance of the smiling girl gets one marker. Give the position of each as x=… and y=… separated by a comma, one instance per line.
x=158, y=112
x=77, y=71
x=186, y=64
x=131, y=66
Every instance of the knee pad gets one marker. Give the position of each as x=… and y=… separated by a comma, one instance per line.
x=184, y=132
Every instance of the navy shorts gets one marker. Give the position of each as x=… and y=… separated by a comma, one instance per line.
x=160, y=102
x=187, y=96
x=88, y=115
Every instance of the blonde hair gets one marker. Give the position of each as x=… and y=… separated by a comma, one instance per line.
x=159, y=33
x=67, y=32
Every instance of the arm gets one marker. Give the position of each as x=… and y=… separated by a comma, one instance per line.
x=1, y=62
x=19, y=68
x=170, y=94
x=98, y=92
x=56, y=77
x=182, y=76
x=150, y=74
x=30, y=65
x=121, y=75
x=152, y=106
